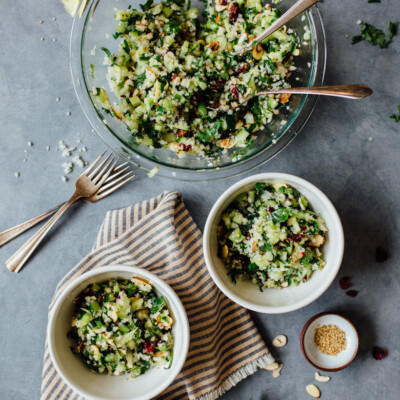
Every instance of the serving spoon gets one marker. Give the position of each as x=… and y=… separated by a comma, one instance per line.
x=345, y=91
x=293, y=12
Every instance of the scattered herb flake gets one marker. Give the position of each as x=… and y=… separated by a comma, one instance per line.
x=394, y=117
x=92, y=70
x=376, y=36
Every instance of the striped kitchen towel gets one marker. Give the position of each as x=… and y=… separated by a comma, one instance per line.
x=161, y=236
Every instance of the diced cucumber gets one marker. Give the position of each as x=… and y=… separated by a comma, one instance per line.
x=252, y=195
x=135, y=101
x=136, y=304
x=167, y=11
x=94, y=307
x=86, y=318
x=227, y=220
x=236, y=236
x=238, y=218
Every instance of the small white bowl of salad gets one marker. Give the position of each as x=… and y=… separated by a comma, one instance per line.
x=273, y=243
x=118, y=332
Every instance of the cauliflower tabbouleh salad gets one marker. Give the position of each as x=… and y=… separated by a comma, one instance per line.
x=270, y=236
x=122, y=327
x=171, y=69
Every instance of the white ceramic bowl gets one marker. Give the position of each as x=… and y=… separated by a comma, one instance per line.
x=105, y=387
x=322, y=361
x=275, y=301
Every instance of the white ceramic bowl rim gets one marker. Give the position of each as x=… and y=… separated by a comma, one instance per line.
x=339, y=248
x=179, y=312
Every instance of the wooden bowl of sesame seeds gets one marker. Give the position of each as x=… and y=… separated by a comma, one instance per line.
x=329, y=342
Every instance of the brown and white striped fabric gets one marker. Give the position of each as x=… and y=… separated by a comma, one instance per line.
x=161, y=236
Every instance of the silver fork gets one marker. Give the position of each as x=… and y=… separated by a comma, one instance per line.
x=86, y=186
x=111, y=184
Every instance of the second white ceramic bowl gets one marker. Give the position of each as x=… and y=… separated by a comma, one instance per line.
x=105, y=387
x=275, y=301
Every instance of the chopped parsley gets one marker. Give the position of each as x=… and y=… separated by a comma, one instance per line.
x=394, y=117
x=375, y=36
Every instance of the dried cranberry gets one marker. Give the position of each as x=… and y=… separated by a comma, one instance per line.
x=271, y=210
x=248, y=236
x=235, y=92
x=185, y=147
x=381, y=255
x=345, y=283
x=378, y=353
x=297, y=237
x=242, y=68
x=352, y=293
x=148, y=346
x=233, y=13
x=224, y=2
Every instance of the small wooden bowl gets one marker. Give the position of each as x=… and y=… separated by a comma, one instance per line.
x=322, y=361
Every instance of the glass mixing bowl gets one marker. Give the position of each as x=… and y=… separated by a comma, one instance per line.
x=94, y=30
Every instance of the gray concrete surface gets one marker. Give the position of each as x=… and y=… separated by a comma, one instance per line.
x=334, y=152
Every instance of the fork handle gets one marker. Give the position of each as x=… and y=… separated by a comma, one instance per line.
x=19, y=258
x=14, y=232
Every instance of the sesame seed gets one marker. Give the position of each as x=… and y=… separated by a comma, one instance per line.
x=370, y=139
x=68, y=112
x=42, y=39
x=347, y=36
x=53, y=18
x=54, y=39
x=17, y=174
x=30, y=144
x=48, y=148
x=64, y=179
x=359, y=22
x=57, y=99
x=40, y=22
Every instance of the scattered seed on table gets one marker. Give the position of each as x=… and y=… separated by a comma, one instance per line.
x=370, y=139
x=54, y=40
x=17, y=174
x=359, y=22
x=53, y=18
x=347, y=36
x=40, y=22
x=42, y=39
x=57, y=99
x=30, y=144
x=68, y=112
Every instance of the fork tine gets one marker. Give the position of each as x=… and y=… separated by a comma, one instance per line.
x=94, y=163
x=114, y=188
x=121, y=165
x=105, y=172
x=116, y=173
x=113, y=182
x=98, y=168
